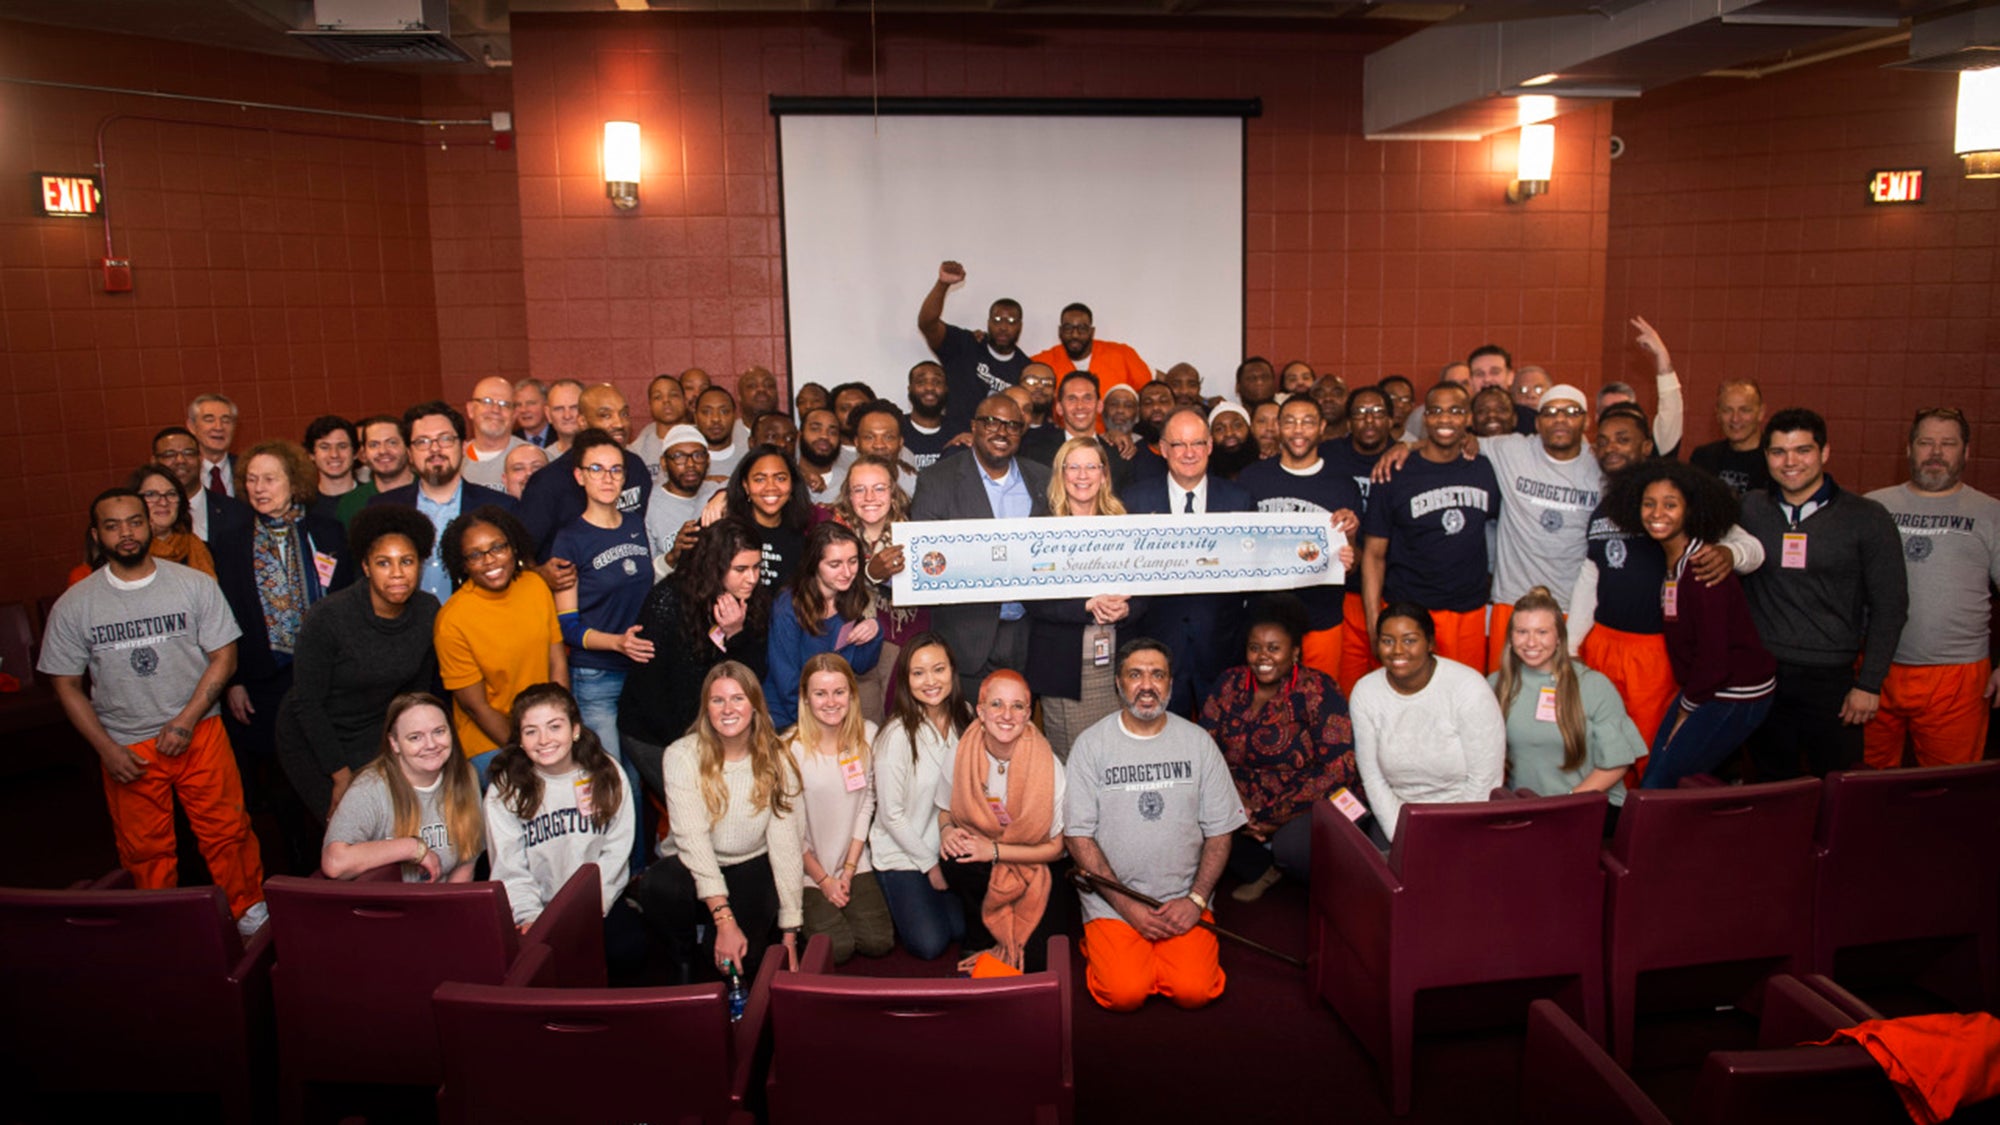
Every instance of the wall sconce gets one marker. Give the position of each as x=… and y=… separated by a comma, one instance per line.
x=621, y=163
x=1978, y=137
x=1537, y=157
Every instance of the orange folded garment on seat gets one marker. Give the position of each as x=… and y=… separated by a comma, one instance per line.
x=1938, y=1062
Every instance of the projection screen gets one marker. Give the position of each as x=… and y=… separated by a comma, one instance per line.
x=1140, y=218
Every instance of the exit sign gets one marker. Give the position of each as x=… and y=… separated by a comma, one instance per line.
x=1902, y=185
x=68, y=197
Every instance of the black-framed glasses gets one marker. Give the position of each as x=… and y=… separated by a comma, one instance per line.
x=1008, y=424
x=496, y=552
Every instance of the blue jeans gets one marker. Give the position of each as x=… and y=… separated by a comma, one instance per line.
x=1709, y=735
x=927, y=919
x=596, y=691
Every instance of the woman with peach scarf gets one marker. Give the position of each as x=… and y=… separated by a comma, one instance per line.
x=1000, y=800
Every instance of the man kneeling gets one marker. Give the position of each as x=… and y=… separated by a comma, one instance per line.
x=1151, y=806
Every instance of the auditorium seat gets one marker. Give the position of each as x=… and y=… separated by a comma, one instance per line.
x=1911, y=854
x=1703, y=876
x=110, y=989
x=599, y=1055
x=974, y=1052
x=1505, y=890
x=357, y=964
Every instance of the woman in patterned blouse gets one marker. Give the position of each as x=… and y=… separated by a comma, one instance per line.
x=1283, y=728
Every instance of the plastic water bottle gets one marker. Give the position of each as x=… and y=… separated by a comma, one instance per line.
x=738, y=995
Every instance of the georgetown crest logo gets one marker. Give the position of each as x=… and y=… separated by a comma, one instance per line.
x=1151, y=804
x=1552, y=520
x=631, y=567
x=1917, y=548
x=1614, y=553
x=1454, y=521
x=145, y=661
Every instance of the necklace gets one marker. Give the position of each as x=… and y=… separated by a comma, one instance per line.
x=1003, y=767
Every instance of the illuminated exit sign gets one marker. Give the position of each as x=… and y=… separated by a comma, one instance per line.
x=68, y=197
x=1904, y=185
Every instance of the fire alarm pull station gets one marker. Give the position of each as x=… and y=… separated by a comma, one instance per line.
x=117, y=275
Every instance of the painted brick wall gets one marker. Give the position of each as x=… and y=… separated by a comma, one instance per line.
x=475, y=238
x=1363, y=258
x=1739, y=227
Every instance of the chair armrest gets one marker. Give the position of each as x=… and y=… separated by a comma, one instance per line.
x=1516, y=794
x=818, y=957
x=258, y=954
x=380, y=873
x=116, y=879
x=1059, y=964
x=530, y=966
x=1701, y=781
x=1612, y=865
x=1857, y=1009
x=1794, y=1014
x=748, y=1031
x=572, y=926
x=1566, y=1076
x=1352, y=886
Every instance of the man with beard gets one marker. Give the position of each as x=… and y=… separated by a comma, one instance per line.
x=1402, y=395
x=553, y=499
x=775, y=428
x=522, y=463
x=1355, y=456
x=1040, y=383
x=387, y=457
x=1156, y=404
x=531, y=413
x=715, y=417
x=565, y=406
x=159, y=645
x=823, y=460
x=1940, y=690
x=1492, y=413
x=1837, y=591
x=1121, y=409
x=1264, y=429
x=435, y=434
x=1185, y=382
x=1256, y=382
x=1204, y=631
x=1424, y=534
x=846, y=397
x=1297, y=378
x=668, y=407
x=1231, y=448
x=991, y=484
x=1151, y=806
x=878, y=433
x=209, y=512
x=673, y=519
x=490, y=412
x=1081, y=350
x=1299, y=479
x=924, y=433
x=974, y=367
x=1331, y=394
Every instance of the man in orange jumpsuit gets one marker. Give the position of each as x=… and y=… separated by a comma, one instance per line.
x=1114, y=364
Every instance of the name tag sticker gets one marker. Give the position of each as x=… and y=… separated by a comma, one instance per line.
x=1794, y=551
x=324, y=564
x=1670, y=600
x=583, y=802
x=1349, y=805
x=851, y=773
x=846, y=635
x=999, y=811
x=1545, y=706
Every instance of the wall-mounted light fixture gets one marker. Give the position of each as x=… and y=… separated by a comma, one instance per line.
x=621, y=163
x=1978, y=137
x=1537, y=155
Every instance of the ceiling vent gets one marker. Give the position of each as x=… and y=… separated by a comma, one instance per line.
x=1964, y=40
x=383, y=31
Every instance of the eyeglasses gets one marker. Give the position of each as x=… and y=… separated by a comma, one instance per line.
x=496, y=552
x=868, y=489
x=1082, y=468
x=1368, y=412
x=442, y=441
x=1004, y=319
x=499, y=402
x=1037, y=381
x=176, y=454
x=673, y=458
x=1439, y=411
x=1073, y=329
x=1561, y=412
x=155, y=496
x=1007, y=424
x=605, y=472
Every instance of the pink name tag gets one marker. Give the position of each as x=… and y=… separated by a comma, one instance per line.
x=583, y=803
x=1793, y=556
x=1670, y=600
x=999, y=811
x=846, y=635
x=851, y=773
x=1545, y=706
x=324, y=564
x=1349, y=806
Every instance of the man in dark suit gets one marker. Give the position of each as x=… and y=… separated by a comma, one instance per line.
x=1203, y=630
x=435, y=435
x=209, y=512
x=990, y=484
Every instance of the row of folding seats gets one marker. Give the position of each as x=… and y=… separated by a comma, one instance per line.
x=1790, y=873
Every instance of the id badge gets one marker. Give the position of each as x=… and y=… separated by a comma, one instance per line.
x=851, y=773
x=1349, y=806
x=1793, y=556
x=999, y=811
x=583, y=802
x=1670, y=600
x=1100, y=647
x=324, y=564
x=1545, y=706
x=845, y=636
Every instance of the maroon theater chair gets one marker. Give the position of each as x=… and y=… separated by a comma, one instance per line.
x=1470, y=893
x=599, y=1054
x=357, y=964
x=1702, y=876
x=109, y=989
x=1907, y=854
x=1567, y=1077
x=979, y=1052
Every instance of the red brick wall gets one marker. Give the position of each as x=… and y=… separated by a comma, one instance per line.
x=1363, y=258
x=1739, y=227
x=475, y=229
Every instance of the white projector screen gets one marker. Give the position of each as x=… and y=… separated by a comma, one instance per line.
x=1141, y=218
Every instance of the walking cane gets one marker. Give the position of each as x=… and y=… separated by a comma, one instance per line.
x=1086, y=881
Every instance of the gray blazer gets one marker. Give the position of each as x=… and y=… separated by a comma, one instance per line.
x=951, y=490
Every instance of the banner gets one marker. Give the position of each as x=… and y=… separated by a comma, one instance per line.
x=951, y=561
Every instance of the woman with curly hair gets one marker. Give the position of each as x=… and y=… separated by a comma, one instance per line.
x=710, y=609
x=498, y=632
x=734, y=862
x=1727, y=678
x=417, y=804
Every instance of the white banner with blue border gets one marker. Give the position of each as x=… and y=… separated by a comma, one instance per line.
x=951, y=561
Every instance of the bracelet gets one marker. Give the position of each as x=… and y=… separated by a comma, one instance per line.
x=425, y=853
x=996, y=851
x=1197, y=900
x=850, y=868
x=821, y=881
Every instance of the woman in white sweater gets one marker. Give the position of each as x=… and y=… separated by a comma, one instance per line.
x=733, y=865
x=831, y=749
x=1426, y=729
x=928, y=718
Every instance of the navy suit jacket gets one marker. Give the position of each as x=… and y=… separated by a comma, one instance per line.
x=1203, y=630
x=951, y=490
x=227, y=515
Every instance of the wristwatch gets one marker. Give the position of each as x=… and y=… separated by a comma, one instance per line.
x=1198, y=900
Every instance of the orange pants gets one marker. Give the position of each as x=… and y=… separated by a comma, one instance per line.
x=1122, y=969
x=1462, y=637
x=1636, y=664
x=204, y=778
x=1321, y=651
x=1357, y=648
x=1940, y=707
x=1496, y=634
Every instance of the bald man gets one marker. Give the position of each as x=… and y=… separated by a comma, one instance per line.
x=553, y=499
x=490, y=413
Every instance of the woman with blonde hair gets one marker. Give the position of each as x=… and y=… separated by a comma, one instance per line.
x=416, y=804
x=830, y=746
x=732, y=866
x=1076, y=683
x=1567, y=731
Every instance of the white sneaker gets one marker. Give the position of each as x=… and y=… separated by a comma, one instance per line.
x=253, y=920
